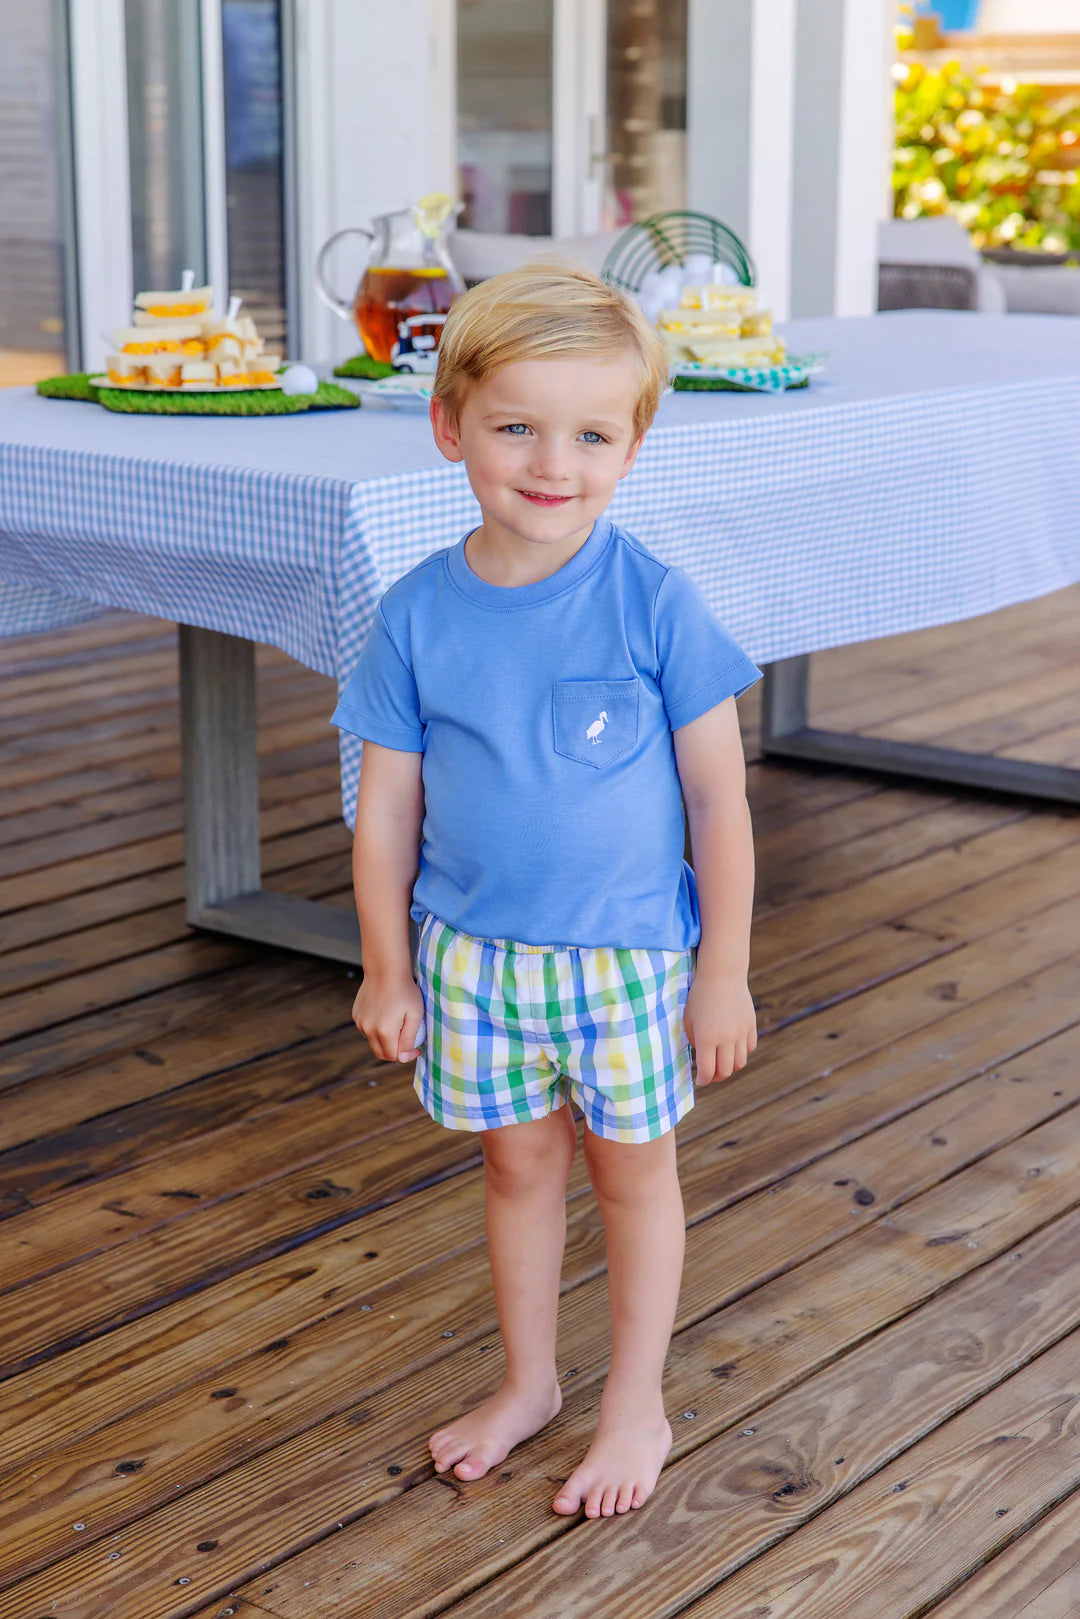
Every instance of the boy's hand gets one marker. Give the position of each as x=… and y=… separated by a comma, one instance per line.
x=720, y=1025
x=390, y=1013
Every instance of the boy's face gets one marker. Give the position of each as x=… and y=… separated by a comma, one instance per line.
x=545, y=442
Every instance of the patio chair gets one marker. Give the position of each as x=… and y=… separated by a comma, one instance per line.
x=931, y=264
x=479, y=254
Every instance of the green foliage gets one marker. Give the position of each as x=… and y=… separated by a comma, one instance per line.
x=999, y=159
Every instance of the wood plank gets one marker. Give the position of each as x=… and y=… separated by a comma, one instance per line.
x=979, y=720
x=883, y=1274
x=92, y=1220
x=932, y=1515
x=67, y=691
x=334, y=1352
x=150, y=1044
x=288, y=728
x=70, y=786
x=127, y=897
x=216, y=1241
x=66, y=877
x=898, y=892
x=1036, y=1577
x=63, y=822
x=730, y=1500
x=33, y=1174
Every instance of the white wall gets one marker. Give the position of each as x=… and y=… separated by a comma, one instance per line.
x=1029, y=17
x=374, y=106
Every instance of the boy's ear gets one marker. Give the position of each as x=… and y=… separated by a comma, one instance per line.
x=631, y=454
x=446, y=434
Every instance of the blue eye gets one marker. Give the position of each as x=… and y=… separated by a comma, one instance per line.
x=515, y=429
x=593, y=438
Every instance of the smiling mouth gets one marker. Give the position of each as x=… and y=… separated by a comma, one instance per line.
x=544, y=500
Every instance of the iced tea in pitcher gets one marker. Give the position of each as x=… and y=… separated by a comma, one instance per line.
x=409, y=274
x=388, y=295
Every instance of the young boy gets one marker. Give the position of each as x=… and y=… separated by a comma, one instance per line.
x=536, y=703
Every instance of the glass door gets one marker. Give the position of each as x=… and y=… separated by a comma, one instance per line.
x=37, y=255
x=571, y=113
x=504, y=97
x=646, y=109
x=206, y=140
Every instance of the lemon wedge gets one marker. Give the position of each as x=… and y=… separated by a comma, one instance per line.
x=433, y=211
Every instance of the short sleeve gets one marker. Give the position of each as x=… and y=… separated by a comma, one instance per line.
x=380, y=702
x=698, y=662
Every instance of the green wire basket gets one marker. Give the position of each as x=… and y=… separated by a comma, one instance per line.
x=670, y=238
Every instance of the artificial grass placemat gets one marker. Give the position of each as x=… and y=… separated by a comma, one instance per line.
x=75, y=386
x=724, y=385
x=244, y=402
x=362, y=365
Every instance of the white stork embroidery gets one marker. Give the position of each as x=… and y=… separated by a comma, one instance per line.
x=593, y=733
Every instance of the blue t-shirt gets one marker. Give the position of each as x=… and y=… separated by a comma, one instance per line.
x=544, y=712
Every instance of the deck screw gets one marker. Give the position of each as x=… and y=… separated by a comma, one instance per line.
x=110, y=1557
x=448, y=1334
x=689, y=1416
x=78, y=1526
x=749, y=1430
x=185, y=1579
x=365, y=1307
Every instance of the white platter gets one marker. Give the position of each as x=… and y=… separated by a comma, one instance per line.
x=396, y=393
x=188, y=388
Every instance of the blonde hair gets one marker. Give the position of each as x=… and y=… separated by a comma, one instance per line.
x=545, y=310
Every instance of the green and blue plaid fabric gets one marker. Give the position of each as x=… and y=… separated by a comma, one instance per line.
x=514, y=1030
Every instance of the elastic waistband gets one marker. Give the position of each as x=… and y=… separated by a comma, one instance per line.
x=512, y=946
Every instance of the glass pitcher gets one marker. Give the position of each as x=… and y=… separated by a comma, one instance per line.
x=408, y=284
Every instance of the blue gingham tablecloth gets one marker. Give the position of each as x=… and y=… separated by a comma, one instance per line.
x=931, y=474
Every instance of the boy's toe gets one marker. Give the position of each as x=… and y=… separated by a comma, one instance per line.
x=607, y=1506
x=626, y=1498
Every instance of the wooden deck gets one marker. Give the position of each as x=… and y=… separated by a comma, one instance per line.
x=244, y=1276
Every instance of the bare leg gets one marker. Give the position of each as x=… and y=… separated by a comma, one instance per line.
x=526, y=1167
x=637, y=1188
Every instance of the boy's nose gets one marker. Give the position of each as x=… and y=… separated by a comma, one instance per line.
x=551, y=462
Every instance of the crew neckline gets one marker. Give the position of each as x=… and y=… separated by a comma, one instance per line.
x=508, y=597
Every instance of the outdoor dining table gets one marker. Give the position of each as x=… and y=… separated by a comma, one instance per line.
x=929, y=474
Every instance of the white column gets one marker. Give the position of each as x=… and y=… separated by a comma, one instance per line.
x=842, y=93
x=374, y=125
x=102, y=173
x=787, y=101
x=740, y=86
x=214, y=176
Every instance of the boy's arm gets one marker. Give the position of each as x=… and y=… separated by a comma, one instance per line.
x=386, y=852
x=720, y=1022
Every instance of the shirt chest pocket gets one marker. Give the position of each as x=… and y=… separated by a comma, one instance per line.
x=596, y=721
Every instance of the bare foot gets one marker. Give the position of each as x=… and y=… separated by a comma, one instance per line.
x=620, y=1468
x=485, y=1436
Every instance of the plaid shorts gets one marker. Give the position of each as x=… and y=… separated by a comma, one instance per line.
x=515, y=1030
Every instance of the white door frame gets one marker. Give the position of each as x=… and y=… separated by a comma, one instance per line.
x=102, y=185
x=578, y=116
x=215, y=214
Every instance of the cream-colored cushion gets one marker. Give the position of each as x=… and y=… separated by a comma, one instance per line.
x=479, y=254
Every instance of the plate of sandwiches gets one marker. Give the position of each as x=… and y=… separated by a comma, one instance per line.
x=176, y=344
x=718, y=337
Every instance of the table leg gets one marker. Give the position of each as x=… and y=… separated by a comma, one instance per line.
x=221, y=810
x=786, y=734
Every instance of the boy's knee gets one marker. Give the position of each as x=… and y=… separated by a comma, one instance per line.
x=629, y=1171
x=521, y=1159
